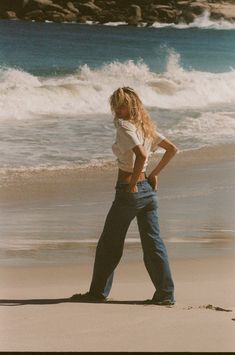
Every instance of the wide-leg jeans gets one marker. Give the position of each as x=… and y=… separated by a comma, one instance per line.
x=126, y=206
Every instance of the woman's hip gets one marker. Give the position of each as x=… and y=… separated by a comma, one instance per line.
x=145, y=191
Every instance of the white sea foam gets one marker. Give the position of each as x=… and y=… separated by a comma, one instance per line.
x=117, y=23
x=207, y=129
x=59, y=169
x=86, y=91
x=203, y=22
x=38, y=114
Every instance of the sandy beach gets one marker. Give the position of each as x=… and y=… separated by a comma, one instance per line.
x=196, y=208
x=36, y=314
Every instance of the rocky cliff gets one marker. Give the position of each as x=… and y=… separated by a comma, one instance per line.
x=133, y=12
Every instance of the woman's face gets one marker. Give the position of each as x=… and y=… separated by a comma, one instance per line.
x=122, y=111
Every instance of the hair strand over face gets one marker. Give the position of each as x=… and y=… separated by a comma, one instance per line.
x=137, y=114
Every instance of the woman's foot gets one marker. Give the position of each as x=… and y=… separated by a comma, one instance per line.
x=165, y=302
x=87, y=297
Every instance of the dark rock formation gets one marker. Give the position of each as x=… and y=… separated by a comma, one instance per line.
x=37, y=15
x=89, y=8
x=72, y=8
x=133, y=12
x=9, y=15
x=135, y=15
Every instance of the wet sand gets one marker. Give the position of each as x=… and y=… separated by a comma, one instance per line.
x=57, y=216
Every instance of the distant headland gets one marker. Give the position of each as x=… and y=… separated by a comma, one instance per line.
x=131, y=12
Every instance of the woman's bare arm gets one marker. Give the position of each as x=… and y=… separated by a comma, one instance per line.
x=171, y=150
x=141, y=156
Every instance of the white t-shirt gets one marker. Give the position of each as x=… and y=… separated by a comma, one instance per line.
x=127, y=137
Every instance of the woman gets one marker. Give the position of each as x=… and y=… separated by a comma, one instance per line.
x=136, y=196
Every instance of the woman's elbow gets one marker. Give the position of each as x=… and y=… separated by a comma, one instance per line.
x=142, y=156
x=169, y=146
x=173, y=149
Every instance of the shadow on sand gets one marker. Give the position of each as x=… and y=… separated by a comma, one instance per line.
x=20, y=302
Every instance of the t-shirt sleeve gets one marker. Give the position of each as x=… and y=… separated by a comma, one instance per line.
x=156, y=140
x=127, y=135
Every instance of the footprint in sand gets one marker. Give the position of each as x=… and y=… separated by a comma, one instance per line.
x=215, y=308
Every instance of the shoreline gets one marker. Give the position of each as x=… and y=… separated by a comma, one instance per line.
x=57, y=216
x=205, y=154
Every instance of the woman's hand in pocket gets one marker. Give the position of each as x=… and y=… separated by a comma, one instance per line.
x=132, y=188
x=153, y=180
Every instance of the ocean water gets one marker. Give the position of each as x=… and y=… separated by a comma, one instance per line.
x=55, y=82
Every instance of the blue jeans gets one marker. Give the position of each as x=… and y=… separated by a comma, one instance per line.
x=126, y=206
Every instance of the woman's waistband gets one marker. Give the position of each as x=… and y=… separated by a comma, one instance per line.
x=142, y=182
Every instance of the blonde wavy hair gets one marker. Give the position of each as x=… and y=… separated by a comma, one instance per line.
x=138, y=115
